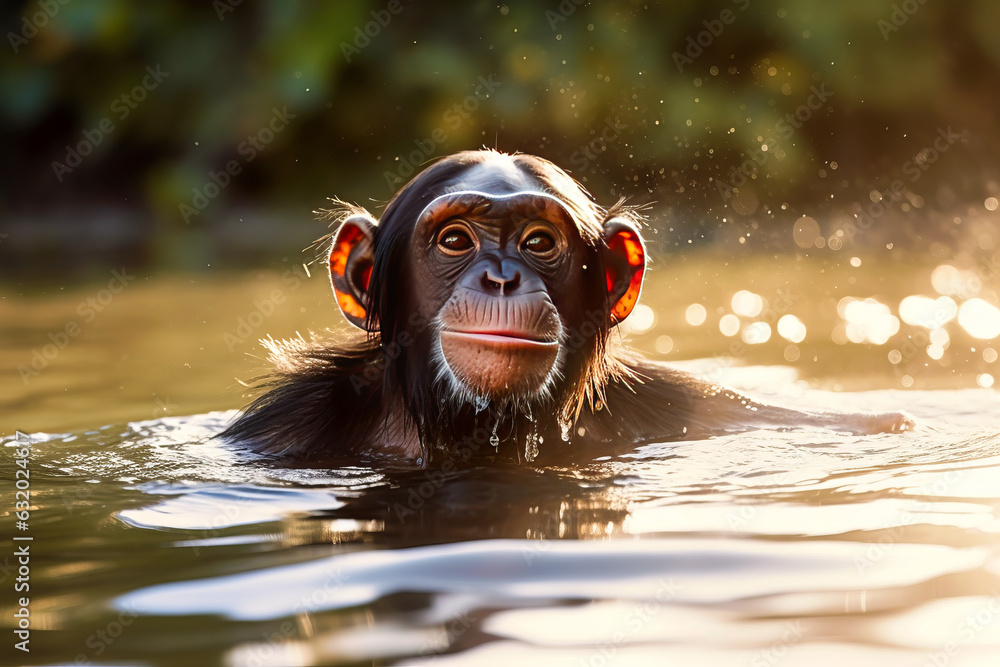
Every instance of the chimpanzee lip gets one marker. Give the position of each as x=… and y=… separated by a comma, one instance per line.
x=497, y=337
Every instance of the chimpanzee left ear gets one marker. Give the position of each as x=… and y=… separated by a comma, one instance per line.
x=624, y=265
x=351, y=258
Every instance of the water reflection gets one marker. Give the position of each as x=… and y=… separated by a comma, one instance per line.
x=807, y=547
x=719, y=549
x=943, y=328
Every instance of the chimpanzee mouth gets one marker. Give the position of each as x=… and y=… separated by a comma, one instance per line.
x=511, y=338
x=500, y=363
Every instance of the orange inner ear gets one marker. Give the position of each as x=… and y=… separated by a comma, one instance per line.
x=347, y=240
x=627, y=245
x=350, y=306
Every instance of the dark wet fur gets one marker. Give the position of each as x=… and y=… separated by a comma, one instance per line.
x=321, y=403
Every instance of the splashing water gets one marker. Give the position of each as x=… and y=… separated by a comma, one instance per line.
x=531, y=444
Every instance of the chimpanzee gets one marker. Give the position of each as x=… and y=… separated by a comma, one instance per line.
x=489, y=292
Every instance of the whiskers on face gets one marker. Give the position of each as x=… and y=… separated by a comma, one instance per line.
x=454, y=393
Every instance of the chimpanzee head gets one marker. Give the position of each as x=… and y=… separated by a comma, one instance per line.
x=491, y=279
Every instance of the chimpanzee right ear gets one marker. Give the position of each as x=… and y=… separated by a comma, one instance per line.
x=351, y=259
x=625, y=264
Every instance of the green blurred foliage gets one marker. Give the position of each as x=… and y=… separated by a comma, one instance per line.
x=370, y=90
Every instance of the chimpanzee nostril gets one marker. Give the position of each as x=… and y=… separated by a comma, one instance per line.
x=502, y=283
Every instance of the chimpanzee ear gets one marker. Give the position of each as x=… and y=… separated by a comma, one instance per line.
x=624, y=264
x=351, y=259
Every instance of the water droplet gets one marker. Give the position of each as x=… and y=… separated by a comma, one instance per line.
x=564, y=427
x=531, y=446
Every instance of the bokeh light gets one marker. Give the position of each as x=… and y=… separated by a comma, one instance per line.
x=923, y=311
x=729, y=325
x=640, y=320
x=980, y=319
x=867, y=321
x=791, y=329
x=756, y=333
x=695, y=314
x=747, y=303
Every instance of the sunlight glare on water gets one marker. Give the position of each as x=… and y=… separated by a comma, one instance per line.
x=818, y=546
x=867, y=320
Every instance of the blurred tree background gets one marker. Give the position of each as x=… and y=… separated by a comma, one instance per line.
x=182, y=135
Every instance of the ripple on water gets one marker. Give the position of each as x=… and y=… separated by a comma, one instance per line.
x=813, y=545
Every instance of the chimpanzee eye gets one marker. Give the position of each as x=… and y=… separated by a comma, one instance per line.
x=539, y=242
x=455, y=240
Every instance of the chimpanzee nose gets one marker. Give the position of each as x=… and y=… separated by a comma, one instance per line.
x=504, y=281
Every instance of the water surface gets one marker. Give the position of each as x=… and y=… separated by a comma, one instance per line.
x=153, y=544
